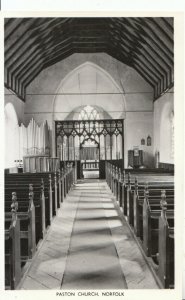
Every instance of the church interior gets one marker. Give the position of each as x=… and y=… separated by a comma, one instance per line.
x=89, y=153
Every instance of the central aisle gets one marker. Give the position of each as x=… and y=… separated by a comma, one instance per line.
x=88, y=246
x=92, y=261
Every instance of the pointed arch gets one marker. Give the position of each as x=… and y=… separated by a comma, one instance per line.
x=99, y=70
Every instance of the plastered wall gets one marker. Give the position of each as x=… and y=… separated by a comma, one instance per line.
x=13, y=116
x=163, y=107
x=18, y=104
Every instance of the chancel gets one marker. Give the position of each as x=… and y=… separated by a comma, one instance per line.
x=89, y=153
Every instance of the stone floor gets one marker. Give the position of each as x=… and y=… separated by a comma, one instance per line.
x=89, y=246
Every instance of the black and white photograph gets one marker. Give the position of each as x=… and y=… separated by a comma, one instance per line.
x=89, y=185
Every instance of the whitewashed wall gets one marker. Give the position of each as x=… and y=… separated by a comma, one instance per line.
x=13, y=116
x=162, y=131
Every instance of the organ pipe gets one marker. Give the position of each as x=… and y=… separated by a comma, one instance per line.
x=34, y=139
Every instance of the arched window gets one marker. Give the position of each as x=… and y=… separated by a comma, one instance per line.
x=89, y=113
x=172, y=133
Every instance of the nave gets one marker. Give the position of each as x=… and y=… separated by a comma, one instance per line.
x=89, y=246
x=89, y=153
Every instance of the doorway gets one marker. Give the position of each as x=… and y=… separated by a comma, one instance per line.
x=90, y=155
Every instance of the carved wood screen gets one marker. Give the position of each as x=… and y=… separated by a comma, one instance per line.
x=108, y=134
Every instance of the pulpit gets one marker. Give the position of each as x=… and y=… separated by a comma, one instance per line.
x=135, y=158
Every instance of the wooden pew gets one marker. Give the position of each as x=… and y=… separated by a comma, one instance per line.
x=138, y=199
x=154, y=181
x=21, y=189
x=166, y=248
x=20, y=233
x=12, y=249
x=119, y=184
x=49, y=186
x=143, y=201
x=151, y=214
x=26, y=215
x=55, y=185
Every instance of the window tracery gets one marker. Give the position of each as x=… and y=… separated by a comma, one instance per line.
x=89, y=113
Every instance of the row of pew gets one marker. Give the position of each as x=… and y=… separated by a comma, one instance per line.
x=31, y=202
x=146, y=197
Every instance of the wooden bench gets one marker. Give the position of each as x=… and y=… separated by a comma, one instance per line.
x=51, y=190
x=39, y=196
x=151, y=214
x=166, y=248
x=39, y=203
x=155, y=183
x=119, y=181
x=141, y=200
x=138, y=199
x=26, y=215
x=12, y=250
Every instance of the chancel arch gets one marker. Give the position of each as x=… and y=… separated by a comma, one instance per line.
x=88, y=85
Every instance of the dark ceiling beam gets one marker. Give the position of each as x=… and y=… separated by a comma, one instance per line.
x=147, y=69
x=144, y=76
x=54, y=52
x=152, y=67
x=119, y=56
x=19, y=96
x=159, y=23
x=170, y=22
x=19, y=61
x=139, y=47
x=168, y=25
x=30, y=74
x=16, y=77
x=166, y=42
x=12, y=27
x=152, y=51
x=143, y=73
x=42, y=41
x=30, y=79
x=159, y=67
x=155, y=39
x=50, y=62
x=35, y=56
x=28, y=35
x=12, y=40
x=37, y=60
x=25, y=84
x=8, y=22
x=34, y=59
x=53, y=60
x=45, y=60
x=150, y=64
x=18, y=42
x=159, y=50
x=26, y=56
x=143, y=44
